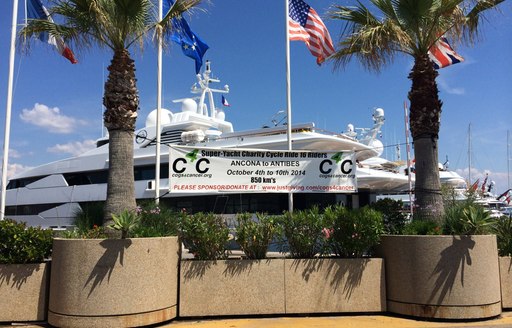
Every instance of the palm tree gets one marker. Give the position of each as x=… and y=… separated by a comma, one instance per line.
x=117, y=25
x=411, y=27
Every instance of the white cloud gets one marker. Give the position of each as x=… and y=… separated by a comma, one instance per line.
x=50, y=119
x=445, y=87
x=13, y=153
x=73, y=148
x=500, y=179
x=13, y=169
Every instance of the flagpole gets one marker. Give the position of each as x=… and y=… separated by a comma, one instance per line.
x=158, y=106
x=408, y=156
x=8, y=107
x=288, y=95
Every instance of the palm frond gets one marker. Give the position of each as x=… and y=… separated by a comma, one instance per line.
x=375, y=43
x=474, y=18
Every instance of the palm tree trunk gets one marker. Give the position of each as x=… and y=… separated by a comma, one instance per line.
x=425, y=120
x=120, y=186
x=121, y=101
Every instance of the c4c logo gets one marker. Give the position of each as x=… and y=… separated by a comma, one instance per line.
x=345, y=166
x=201, y=165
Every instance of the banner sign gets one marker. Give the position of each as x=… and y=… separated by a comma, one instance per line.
x=211, y=170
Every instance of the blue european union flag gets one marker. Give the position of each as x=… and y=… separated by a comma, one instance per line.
x=191, y=45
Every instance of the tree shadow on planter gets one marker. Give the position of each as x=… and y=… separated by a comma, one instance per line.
x=452, y=261
x=237, y=267
x=338, y=272
x=16, y=275
x=195, y=268
x=114, y=249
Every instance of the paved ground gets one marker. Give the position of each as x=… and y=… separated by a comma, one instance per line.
x=359, y=321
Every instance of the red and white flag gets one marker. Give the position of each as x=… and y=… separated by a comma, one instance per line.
x=442, y=54
x=305, y=25
x=225, y=102
x=36, y=10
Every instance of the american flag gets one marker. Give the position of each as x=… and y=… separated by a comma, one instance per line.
x=305, y=25
x=442, y=54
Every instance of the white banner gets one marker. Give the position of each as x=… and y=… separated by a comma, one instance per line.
x=248, y=170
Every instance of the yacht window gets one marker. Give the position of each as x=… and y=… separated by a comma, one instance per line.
x=20, y=183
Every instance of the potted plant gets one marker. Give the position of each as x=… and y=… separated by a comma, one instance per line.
x=24, y=271
x=447, y=271
x=306, y=279
x=211, y=284
x=503, y=230
x=341, y=277
x=121, y=282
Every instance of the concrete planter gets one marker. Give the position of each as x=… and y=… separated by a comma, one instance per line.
x=506, y=281
x=281, y=286
x=24, y=292
x=113, y=282
x=335, y=285
x=446, y=277
x=231, y=287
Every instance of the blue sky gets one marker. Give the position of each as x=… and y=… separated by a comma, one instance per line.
x=57, y=109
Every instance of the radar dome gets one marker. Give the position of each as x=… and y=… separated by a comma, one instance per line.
x=165, y=117
x=221, y=115
x=379, y=112
x=188, y=105
x=377, y=145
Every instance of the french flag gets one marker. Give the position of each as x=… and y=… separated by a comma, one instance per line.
x=225, y=102
x=442, y=54
x=36, y=10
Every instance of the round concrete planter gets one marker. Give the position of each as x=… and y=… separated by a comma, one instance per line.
x=506, y=281
x=445, y=277
x=113, y=282
x=24, y=292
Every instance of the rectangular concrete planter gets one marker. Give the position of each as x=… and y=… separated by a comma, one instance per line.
x=506, y=281
x=24, y=290
x=443, y=277
x=231, y=287
x=335, y=285
x=113, y=282
x=281, y=286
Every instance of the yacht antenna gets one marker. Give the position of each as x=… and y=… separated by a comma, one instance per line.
x=205, y=90
x=275, y=116
x=368, y=135
x=446, y=163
